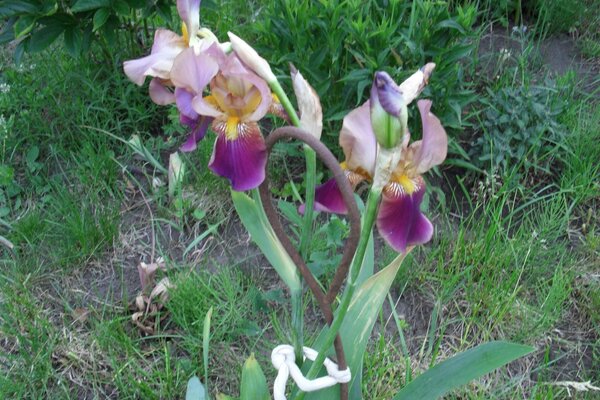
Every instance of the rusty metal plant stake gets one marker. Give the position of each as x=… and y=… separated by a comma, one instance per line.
x=324, y=300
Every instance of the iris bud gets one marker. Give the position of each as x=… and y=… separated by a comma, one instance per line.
x=251, y=58
x=388, y=111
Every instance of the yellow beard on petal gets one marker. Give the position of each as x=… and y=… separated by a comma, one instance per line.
x=401, y=184
x=407, y=184
x=184, y=33
x=231, y=129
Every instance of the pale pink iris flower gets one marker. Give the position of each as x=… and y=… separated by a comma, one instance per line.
x=167, y=46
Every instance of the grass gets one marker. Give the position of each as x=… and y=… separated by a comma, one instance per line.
x=514, y=260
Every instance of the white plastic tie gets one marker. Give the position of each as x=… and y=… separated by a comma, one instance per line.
x=284, y=360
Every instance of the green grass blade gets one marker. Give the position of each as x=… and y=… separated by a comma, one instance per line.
x=206, y=344
x=461, y=369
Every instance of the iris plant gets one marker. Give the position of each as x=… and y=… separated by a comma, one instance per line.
x=230, y=88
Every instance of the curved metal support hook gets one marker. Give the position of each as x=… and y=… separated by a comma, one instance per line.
x=324, y=300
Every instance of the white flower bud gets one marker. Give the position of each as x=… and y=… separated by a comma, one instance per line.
x=251, y=58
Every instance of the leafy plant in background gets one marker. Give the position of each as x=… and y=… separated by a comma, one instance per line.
x=227, y=88
x=357, y=38
x=38, y=24
x=519, y=128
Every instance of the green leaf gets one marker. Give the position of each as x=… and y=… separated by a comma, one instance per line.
x=100, y=18
x=7, y=173
x=87, y=5
x=73, y=40
x=7, y=33
x=121, y=8
x=44, y=37
x=20, y=49
x=24, y=25
x=109, y=30
x=195, y=390
x=254, y=220
x=461, y=369
x=254, y=383
x=450, y=23
x=206, y=342
x=10, y=8
x=357, y=326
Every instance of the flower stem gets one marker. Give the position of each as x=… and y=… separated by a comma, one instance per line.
x=306, y=236
x=285, y=102
x=309, y=201
x=367, y=226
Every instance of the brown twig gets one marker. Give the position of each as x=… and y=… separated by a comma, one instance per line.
x=324, y=300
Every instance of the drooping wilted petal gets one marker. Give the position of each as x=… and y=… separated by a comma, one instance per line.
x=198, y=128
x=433, y=148
x=328, y=198
x=160, y=94
x=189, y=11
x=309, y=105
x=400, y=221
x=358, y=140
x=242, y=160
x=414, y=85
x=276, y=108
x=193, y=71
x=167, y=45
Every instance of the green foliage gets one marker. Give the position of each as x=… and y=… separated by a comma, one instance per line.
x=255, y=221
x=357, y=325
x=520, y=128
x=195, y=390
x=37, y=24
x=357, y=38
x=461, y=369
x=226, y=292
x=327, y=238
x=254, y=383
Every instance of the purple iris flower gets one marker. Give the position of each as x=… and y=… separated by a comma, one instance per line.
x=400, y=220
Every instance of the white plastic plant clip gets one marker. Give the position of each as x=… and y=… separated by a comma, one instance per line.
x=284, y=360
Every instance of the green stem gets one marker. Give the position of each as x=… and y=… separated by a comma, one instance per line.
x=309, y=201
x=295, y=297
x=298, y=324
x=367, y=226
x=305, y=238
x=285, y=102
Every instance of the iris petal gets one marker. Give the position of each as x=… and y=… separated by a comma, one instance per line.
x=400, y=221
x=183, y=98
x=233, y=70
x=193, y=71
x=242, y=160
x=167, y=45
x=358, y=140
x=159, y=93
x=198, y=127
x=189, y=11
x=328, y=198
x=432, y=150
